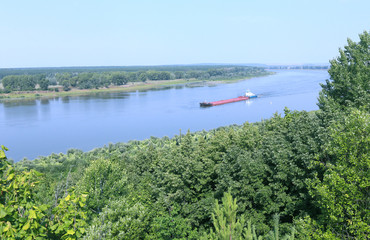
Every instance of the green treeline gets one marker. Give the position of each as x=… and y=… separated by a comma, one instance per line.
x=304, y=175
x=106, y=77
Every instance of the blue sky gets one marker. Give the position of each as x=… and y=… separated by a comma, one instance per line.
x=44, y=33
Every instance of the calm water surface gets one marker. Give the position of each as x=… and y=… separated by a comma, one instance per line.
x=35, y=128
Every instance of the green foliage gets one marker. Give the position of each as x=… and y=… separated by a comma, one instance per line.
x=120, y=219
x=128, y=219
x=119, y=78
x=66, y=85
x=340, y=186
x=309, y=229
x=265, y=165
x=22, y=217
x=143, y=77
x=228, y=226
x=225, y=221
x=349, y=84
x=103, y=180
x=179, y=75
x=250, y=232
x=43, y=83
x=68, y=217
x=170, y=225
x=275, y=234
x=342, y=192
x=19, y=83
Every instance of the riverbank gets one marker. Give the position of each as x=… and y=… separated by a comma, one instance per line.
x=129, y=87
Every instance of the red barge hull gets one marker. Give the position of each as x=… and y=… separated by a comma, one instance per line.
x=209, y=104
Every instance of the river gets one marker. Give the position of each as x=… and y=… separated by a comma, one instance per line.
x=32, y=128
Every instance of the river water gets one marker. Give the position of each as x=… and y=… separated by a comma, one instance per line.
x=33, y=128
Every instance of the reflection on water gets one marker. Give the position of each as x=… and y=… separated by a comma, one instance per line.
x=114, y=95
x=44, y=101
x=65, y=99
x=39, y=127
x=17, y=103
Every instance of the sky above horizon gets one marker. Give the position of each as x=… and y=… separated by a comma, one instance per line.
x=44, y=33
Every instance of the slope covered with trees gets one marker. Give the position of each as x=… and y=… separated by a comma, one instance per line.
x=301, y=175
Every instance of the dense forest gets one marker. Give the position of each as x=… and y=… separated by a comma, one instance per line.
x=303, y=175
x=105, y=77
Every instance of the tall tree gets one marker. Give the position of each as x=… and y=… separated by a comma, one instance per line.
x=349, y=84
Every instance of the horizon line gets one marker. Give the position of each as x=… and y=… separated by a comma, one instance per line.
x=179, y=64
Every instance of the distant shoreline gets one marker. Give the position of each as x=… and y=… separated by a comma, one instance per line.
x=130, y=87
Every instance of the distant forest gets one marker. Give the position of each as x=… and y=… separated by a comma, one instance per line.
x=303, y=67
x=31, y=79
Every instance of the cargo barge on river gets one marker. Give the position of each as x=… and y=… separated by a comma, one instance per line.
x=247, y=96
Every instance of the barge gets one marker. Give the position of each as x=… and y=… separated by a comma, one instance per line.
x=247, y=96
